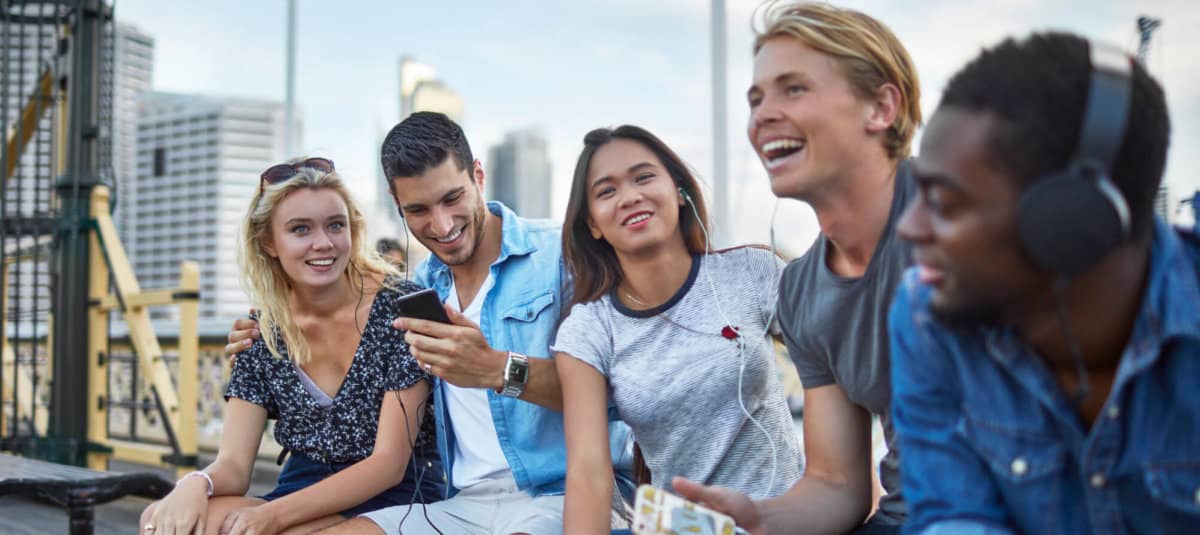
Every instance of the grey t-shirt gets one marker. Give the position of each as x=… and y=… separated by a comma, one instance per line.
x=835, y=329
x=673, y=376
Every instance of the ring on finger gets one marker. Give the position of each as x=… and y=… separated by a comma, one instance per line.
x=148, y=528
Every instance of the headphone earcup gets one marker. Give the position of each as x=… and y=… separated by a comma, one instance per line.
x=1066, y=224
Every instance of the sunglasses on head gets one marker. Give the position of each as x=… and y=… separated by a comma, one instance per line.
x=283, y=172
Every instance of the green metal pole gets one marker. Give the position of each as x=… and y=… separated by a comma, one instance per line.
x=67, y=434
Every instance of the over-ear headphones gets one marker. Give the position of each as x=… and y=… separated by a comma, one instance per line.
x=1070, y=219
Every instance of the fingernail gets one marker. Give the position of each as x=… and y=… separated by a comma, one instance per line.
x=246, y=342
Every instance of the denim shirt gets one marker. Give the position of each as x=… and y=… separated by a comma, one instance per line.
x=992, y=444
x=521, y=314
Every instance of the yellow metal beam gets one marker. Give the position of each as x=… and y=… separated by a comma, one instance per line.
x=141, y=299
x=97, y=419
x=188, y=430
x=141, y=334
x=181, y=403
x=26, y=125
x=138, y=452
x=6, y=354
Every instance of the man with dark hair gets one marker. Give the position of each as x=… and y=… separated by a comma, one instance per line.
x=393, y=252
x=1046, y=348
x=497, y=399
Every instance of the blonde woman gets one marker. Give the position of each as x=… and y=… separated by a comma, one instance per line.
x=350, y=402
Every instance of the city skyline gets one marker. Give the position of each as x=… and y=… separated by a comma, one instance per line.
x=198, y=163
x=589, y=64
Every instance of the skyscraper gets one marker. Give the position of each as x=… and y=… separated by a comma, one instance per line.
x=1162, y=202
x=519, y=173
x=420, y=90
x=198, y=164
x=133, y=73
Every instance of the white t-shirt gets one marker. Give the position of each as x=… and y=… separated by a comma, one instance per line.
x=477, y=453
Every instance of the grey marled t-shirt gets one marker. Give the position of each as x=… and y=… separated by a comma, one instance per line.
x=836, y=330
x=674, y=377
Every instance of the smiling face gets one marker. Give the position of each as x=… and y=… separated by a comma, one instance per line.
x=310, y=237
x=807, y=125
x=963, y=225
x=444, y=208
x=632, y=201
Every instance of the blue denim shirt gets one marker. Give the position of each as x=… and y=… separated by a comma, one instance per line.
x=521, y=313
x=992, y=444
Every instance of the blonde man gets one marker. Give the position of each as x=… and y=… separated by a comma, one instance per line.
x=834, y=105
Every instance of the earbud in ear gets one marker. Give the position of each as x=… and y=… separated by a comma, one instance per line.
x=683, y=193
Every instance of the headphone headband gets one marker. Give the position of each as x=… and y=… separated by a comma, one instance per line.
x=1107, y=108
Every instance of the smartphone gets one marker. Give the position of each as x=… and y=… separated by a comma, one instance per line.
x=658, y=512
x=423, y=305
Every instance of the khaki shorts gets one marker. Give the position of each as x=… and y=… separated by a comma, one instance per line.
x=493, y=507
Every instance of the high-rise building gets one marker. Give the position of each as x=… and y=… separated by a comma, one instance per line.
x=1162, y=202
x=519, y=173
x=27, y=51
x=420, y=90
x=198, y=164
x=133, y=74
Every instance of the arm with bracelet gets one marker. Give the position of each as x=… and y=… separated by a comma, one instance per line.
x=185, y=508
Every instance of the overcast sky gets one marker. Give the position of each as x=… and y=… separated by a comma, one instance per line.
x=571, y=66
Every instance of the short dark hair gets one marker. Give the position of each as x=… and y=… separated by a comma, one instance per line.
x=421, y=142
x=1038, y=88
x=386, y=245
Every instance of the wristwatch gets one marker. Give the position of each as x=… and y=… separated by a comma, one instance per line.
x=516, y=375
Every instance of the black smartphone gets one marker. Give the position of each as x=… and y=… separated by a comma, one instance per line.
x=423, y=305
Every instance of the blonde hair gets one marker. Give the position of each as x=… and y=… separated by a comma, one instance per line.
x=865, y=50
x=263, y=276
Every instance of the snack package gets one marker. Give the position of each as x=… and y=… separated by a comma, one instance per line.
x=658, y=512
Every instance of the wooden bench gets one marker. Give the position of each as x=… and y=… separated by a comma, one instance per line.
x=76, y=489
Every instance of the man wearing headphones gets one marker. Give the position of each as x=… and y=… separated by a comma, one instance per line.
x=1046, y=348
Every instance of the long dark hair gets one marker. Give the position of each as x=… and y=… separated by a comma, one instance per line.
x=592, y=262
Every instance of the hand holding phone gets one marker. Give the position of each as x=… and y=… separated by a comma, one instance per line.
x=658, y=512
x=423, y=305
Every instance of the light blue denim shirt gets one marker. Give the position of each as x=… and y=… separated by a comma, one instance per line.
x=992, y=444
x=521, y=314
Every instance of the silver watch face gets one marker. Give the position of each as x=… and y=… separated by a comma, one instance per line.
x=518, y=372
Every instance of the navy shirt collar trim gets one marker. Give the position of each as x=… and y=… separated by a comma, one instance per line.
x=650, y=312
